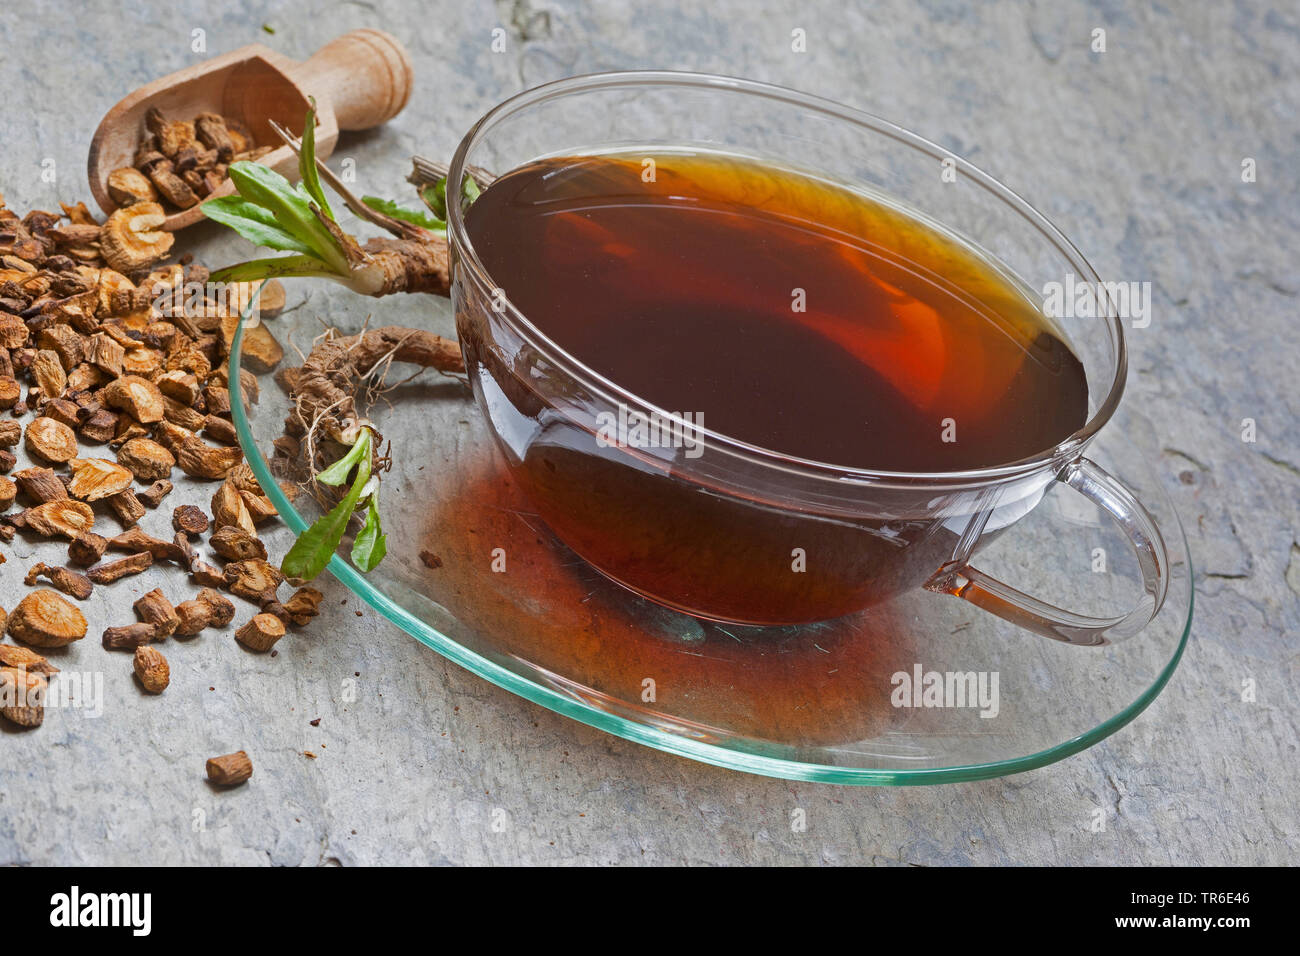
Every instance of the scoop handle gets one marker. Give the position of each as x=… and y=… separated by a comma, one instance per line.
x=365, y=76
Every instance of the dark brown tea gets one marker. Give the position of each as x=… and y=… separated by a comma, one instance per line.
x=781, y=310
x=774, y=309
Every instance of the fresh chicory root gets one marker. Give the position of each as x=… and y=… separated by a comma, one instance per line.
x=324, y=391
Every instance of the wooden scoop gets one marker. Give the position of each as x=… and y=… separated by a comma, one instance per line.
x=360, y=80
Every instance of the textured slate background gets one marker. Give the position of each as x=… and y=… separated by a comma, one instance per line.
x=1135, y=152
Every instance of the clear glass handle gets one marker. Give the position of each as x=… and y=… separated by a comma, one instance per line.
x=1095, y=484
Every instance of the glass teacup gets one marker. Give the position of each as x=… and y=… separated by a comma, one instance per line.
x=639, y=514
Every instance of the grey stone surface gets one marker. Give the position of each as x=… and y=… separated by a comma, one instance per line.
x=1135, y=152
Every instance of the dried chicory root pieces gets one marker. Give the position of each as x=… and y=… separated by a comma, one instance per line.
x=253, y=579
x=132, y=239
x=190, y=519
x=180, y=162
x=22, y=696
x=221, y=611
x=155, y=610
x=110, y=358
x=261, y=632
x=23, y=658
x=299, y=609
x=96, y=478
x=59, y=518
x=65, y=579
x=87, y=548
x=230, y=770
x=113, y=375
x=127, y=637
x=46, y=619
x=152, y=496
x=151, y=668
x=236, y=544
x=209, y=609
x=110, y=571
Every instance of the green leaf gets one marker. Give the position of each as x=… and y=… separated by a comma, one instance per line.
x=469, y=190
x=435, y=197
x=276, y=267
x=254, y=223
x=390, y=208
x=307, y=170
x=289, y=207
x=337, y=473
x=316, y=545
x=371, y=544
x=265, y=187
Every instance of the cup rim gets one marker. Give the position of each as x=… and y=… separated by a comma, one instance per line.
x=465, y=255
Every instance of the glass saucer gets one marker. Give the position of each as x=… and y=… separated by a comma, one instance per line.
x=926, y=689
